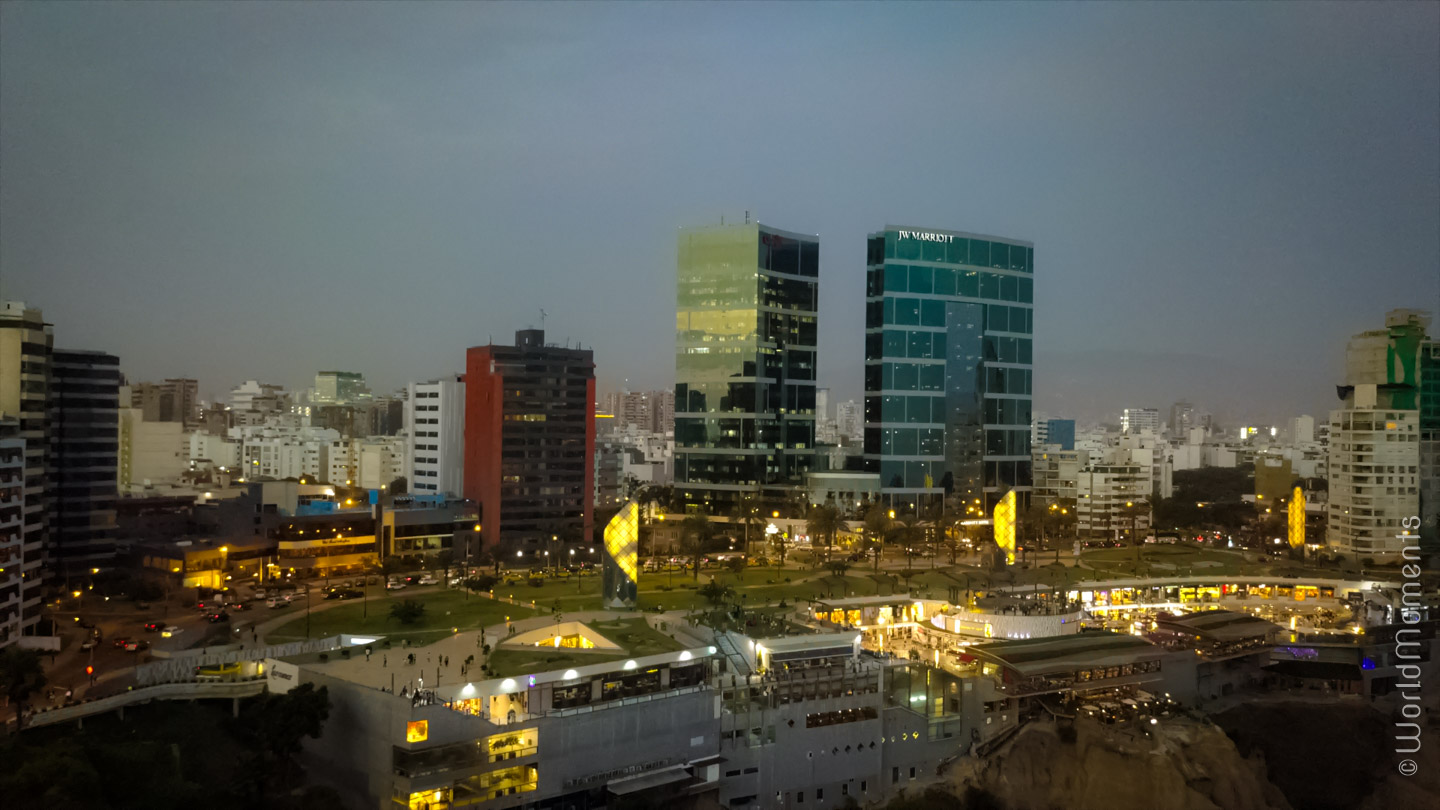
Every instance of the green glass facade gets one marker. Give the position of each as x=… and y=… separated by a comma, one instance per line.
x=948, y=365
x=746, y=315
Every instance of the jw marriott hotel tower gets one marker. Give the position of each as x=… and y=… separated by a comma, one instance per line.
x=948, y=366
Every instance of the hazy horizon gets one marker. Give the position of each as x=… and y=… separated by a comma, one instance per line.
x=1219, y=194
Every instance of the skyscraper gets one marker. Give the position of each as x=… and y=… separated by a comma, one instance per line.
x=85, y=448
x=529, y=444
x=948, y=365
x=746, y=314
x=25, y=355
x=1182, y=418
x=341, y=388
x=1375, y=440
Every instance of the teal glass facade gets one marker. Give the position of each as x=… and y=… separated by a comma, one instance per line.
x=949, y=371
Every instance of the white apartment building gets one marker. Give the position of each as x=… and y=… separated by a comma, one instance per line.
x=1110, y=501
x=1138, y=420
x=208, y=450
x=434, y=460
x=379, y=460
x=278, y=453
x=149, y=452
x=1056, y=473
x=1374, y=466
x=1302, y=430
x=850, y=421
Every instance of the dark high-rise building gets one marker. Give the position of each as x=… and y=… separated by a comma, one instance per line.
x=25, y=355
x=85, y=419
x=176, y=400
x=529, y=445
x=747, y=302
x=1060, y=432
x=1430, y=445
x=948, y=366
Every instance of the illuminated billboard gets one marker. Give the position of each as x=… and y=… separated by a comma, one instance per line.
x=1297, y=518
x=622, y=545
x=1005, y=526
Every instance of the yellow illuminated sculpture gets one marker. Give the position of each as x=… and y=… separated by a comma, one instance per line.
x=1005, y=526
x=622, y=544
x=1297, y=518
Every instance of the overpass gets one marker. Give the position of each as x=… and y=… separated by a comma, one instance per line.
x=234, y=690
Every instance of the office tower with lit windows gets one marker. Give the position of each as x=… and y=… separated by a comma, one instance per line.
x=746, y=314
x=530, y=445
x=1140, y=420
x=948, y=366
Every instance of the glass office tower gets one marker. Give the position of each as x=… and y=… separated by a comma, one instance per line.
x=746, y=301
x=948, y=366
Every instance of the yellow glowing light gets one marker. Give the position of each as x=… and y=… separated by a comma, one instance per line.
x=75, y=594
x=622, y=546
x=417, y=731
x=777, y=514
x=1297, y=518
x=224, y=549
x=1004, y=519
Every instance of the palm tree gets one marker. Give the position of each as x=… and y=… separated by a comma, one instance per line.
x=695, y=534
x=947, y=528
x=747, y=513
x=22, y=675
x=823, y=522
x=877, y=526
x=910, y=532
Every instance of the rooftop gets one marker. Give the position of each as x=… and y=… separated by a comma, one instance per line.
x=1219, y=625
x=1064, y=653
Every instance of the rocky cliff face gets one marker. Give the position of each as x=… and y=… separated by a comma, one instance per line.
x=1182, y=765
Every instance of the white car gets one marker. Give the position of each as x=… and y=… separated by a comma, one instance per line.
x=394, y=585
x=172, y=631
x=428, y=580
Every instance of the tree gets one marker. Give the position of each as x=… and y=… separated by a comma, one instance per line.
x=747, y=514
x=393, y=565
x=735, y=565
x=695, y=534
x=780, y=541
x=399, y=486
x=822, y=523
x=22, y=675
x=910, y=531
x=278, y=722
x=483, y=582
x=408, y=611
x=715, y=592
x=838, y=568
x=877, y=526
x=446, y=560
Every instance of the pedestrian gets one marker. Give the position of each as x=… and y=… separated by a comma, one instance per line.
x=384, y=660
x=367, y=653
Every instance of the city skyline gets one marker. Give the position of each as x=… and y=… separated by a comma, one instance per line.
x=1267, y=153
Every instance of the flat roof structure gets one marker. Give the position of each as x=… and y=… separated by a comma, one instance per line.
x=1089, y=650
x=1218, y=625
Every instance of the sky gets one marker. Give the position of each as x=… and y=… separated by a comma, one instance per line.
x=1219, y=194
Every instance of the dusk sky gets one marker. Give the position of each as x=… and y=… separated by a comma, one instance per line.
x=1219, y=194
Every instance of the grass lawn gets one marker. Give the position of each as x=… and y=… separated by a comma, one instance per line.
x=443, y=610
x=636, y=637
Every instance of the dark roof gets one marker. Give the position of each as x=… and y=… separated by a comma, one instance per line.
x=1063, y=653
x=1219, y=625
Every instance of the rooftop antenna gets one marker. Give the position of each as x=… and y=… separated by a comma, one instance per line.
x=747, y=217
x=542, y=319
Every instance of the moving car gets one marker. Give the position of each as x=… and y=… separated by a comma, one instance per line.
x=394, y=585
x=120, y=642
x=275, y=602
x=154, y=627
x=89, y=644
x=428, y=580
x=172, y=631
x=137, y=645
x=216, y=618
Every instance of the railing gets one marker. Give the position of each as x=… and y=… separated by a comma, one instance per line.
x=166, y=691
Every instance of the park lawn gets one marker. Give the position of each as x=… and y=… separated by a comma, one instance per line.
x=637, y=637
x=444, y=610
